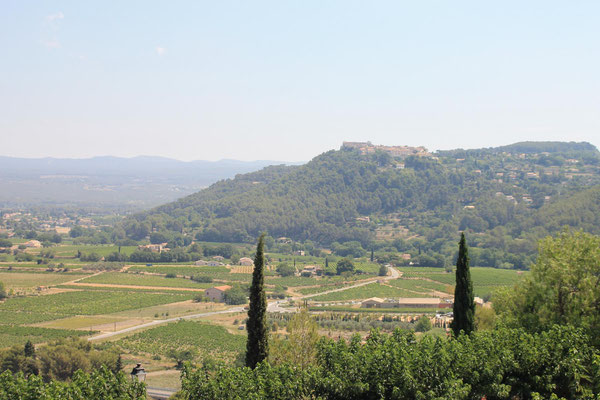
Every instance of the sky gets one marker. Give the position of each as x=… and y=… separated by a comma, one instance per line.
x=288, y=80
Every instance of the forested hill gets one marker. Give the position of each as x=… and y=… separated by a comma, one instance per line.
x=506, y=197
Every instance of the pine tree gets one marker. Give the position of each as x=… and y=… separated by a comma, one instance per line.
x=372, y=255
x=464, y=304
x=257, y=346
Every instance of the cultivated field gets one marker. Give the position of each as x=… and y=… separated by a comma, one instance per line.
x=75, y=301
x=27, y=280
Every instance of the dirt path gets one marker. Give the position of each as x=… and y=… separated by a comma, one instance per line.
x=76, y=281
x=276, y=306
x=394, y=274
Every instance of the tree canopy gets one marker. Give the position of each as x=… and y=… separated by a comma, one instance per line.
x=562, y=288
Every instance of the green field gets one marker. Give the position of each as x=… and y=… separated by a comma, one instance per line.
x=32, y=309
x=29, y=265
x=219, y=273
x=19, y=335
x=292, y=281
x=323, y=288
x=485, y=280
x=71, y=250
x=419, y=285
x=367, y=291
x=200, y=338
x=24, y=280
x=119, y=278
x=81, y=322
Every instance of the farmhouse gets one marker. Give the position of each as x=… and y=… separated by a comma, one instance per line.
x=214, y=264
x=373, y=302
x=33, y=243
x=217, y=293
x=211, y=263
x=246, y=261
x=312, y=270
x=155, y=248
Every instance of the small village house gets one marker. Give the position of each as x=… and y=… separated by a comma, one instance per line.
x=246, y=261
x=312, y=270
x=33, y=244
x=155, y=248
x=217, y=293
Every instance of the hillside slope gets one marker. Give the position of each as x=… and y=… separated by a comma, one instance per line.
x=346, y=195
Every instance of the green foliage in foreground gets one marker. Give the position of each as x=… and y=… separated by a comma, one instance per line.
x=11, y=335
x=500, y=364
x=562, y=288
x=99, y=385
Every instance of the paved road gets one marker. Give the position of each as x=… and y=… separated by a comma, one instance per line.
x=272, y=307
x=165, y=321
x=276, y=306
x=394, y=274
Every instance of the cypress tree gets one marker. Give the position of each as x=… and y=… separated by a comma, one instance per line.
x=464, y=304
x=29, y=350
x=257, y=346
x=118, y=365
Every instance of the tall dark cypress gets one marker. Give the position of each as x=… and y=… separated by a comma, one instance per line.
x=29, y=349
x=257, y=346
x=464, y=304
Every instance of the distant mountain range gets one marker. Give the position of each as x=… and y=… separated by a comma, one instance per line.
x=138, y=182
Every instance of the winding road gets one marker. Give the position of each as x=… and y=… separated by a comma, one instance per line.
x=275, y=306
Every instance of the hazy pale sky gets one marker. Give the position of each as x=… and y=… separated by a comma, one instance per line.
x=287, y=80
